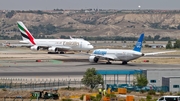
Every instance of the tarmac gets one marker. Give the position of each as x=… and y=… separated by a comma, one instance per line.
x=22, y=63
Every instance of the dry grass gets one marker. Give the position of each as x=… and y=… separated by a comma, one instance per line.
x=159, y=60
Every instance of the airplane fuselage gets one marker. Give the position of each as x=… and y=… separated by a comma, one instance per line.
x=118, y=55
x=75, y=44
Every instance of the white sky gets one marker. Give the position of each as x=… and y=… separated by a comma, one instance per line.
x=85, y=4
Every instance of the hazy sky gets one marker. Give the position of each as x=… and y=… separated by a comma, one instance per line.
x=85, y=4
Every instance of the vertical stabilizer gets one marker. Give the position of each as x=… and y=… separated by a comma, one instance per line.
x=26, y=35
x=138, y=45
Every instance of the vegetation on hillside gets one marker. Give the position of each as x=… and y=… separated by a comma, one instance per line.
x=116, y=25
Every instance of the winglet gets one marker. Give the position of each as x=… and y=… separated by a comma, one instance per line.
x=138, y=45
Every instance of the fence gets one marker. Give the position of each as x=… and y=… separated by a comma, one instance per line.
x=18, y=83
x=38, y=83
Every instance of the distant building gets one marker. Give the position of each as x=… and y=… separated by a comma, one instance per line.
x=155, y=45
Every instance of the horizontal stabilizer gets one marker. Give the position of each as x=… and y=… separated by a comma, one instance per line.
x=154, y=53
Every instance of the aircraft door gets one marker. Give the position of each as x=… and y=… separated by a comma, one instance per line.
x=81, y=44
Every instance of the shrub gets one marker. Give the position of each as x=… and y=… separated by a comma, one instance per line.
x=154, y=99
x=178, y=93
x=66, y=99
x=161, y=93
x=129, y=91
x=4, y=89
x=92, y=98
x=152, y=92
x=81, y=98
x=148, y=97
x=98, y=96
x=142, y=91
x=141, y=99
x=33, y=97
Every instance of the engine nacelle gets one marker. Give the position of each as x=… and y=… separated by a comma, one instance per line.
x=34, y=47
x=52, y=49
x=93, y=59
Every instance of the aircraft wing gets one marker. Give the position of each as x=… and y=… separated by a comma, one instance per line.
x=60, y=47
x=63, y=47
x=154, y=53
x=16, y=45
x=111, y=57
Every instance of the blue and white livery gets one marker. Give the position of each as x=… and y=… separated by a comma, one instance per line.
x=121, y=55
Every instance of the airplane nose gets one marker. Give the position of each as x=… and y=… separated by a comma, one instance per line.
x=91, y=46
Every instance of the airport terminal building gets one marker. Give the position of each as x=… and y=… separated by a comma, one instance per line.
x=164, y=77
x=172, y=83
x=159, y=79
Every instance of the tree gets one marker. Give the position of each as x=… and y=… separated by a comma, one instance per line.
x=91, y=78
x=156, y=37
x=177, y=44
x=10, y=14
x=141, y=80
x=169, y=45
x=155, y=25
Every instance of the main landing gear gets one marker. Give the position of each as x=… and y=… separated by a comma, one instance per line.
x=88, y=51
x=61, y=52
x=108, y=62
x=124, y=62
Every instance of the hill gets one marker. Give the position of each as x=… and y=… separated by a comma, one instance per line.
x=91, y=24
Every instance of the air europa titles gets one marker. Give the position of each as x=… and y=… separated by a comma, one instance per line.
x=68, y=43
x=100, y=52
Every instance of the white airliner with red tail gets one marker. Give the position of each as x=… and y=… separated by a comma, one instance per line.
x=53, y=45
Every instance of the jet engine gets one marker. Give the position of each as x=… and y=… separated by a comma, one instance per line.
x=52, y=49
x=93, y=59
x=34, y=47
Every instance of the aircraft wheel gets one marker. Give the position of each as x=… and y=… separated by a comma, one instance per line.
x=108, y=63
x=124, y=62
x=61, y=52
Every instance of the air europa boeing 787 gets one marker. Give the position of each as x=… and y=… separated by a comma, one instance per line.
x=53, y=45
x=121, y=55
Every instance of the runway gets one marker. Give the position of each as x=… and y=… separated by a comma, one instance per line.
x=16, y=62
x=74, y=68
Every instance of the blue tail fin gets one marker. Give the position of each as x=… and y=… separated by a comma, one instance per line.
x=138, y=45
